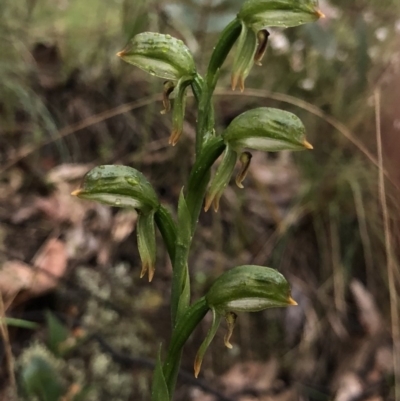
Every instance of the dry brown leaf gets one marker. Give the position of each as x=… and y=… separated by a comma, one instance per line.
x=50, y=266
x=15, y=276
x=123, y=225
x=25, y=281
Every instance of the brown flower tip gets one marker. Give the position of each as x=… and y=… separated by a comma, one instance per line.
x=174, y=138
x=307, y=145
x=76, y=192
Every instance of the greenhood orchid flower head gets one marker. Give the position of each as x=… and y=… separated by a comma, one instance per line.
x=165, y=57
x=247, y=288
x=266, y=129
x=255, y=17
x=123, y=186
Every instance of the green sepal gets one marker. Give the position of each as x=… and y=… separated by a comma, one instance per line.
x=244, y=56
x=266, y=129
x=146, y=239
x=249, y=288
x=178, y=111
x=119, y=186
x=160, y=55
x=159, y=388
x=259, y=14
x=216, y=320
x=221, y=178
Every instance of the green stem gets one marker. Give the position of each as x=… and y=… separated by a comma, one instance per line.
x=205, y=124
x=197, y=87
x=225, y=43
x=184, y=328
x=208, y=149
x=200, y=176
x=167, y=228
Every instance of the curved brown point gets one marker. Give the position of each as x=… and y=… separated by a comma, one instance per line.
x=292, y=302
x=320, y=14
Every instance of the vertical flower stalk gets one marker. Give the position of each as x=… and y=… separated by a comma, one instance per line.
x=243, y=288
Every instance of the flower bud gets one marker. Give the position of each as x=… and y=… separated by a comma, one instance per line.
x=266, y=129
x=159, y=55
x=119, y=186
x=260, y=14
x=247, y=288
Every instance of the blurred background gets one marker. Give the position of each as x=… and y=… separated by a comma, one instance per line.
x=327, y=219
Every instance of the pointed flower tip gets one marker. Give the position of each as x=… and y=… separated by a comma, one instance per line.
x=208, y=203
x=292, y=302
x=151, y=274
x=197, y=367
x=143, y=271
x=241, y=83
x=307, y=145
x=320, y=14
x=174, y=138
x=234, y=81
x=76, y=192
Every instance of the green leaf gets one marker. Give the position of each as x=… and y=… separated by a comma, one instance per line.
x=267, y=129
x=159, y=389
x=180, y=298
x=57, y=334
x=183, y=329
x=159, y=55
x=41, y=380
x=184, y=221
x=249, y=288
x=119, y=186
x=260, y=14
x=184, y=299
x=23, y=324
